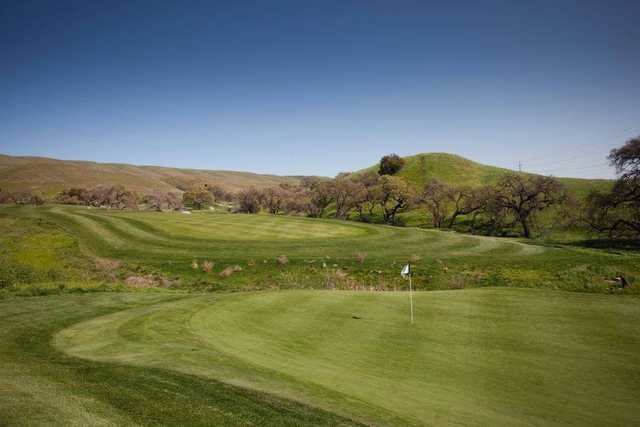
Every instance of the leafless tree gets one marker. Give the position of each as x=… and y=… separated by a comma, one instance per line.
x=396, y=195
x=320, y=195
x=344, y=189
x=249, y=201
x=524, y=196
x=437, y=197
x=617, y=212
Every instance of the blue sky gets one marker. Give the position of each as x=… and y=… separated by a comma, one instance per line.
x=307, y=87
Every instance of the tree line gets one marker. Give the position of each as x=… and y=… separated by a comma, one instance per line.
x=371, y=197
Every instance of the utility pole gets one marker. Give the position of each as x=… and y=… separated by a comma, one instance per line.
x=519, y=166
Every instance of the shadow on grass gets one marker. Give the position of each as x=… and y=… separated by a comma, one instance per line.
x=612, y=244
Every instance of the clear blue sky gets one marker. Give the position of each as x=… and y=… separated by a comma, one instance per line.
x=306, y=87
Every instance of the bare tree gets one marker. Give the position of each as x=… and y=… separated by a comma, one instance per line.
x=617, y=212
x=218, y=193
x=366, y=194
x=437, y=197
x=159, y=201
x=466, y=201
x=344, y=189
x=273, y=199
x=396, y=195
x=524, y=196
x=320, y=195
x=249, y=201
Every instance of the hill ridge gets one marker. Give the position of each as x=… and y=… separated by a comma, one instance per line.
x=48, y=176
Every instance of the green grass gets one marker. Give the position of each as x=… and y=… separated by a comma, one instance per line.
x=183, y=357
x=487, y=357
x=420, y=169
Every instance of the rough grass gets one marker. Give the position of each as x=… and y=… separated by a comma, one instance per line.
x=490, y=357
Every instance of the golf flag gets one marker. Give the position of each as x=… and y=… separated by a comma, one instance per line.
x=406, y=272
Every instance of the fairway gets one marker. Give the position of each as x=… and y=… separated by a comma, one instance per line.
x=479, y=357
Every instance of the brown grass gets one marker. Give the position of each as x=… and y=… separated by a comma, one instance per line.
x=50, y=176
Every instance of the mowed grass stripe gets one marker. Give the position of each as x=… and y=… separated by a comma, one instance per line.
x=483, y=357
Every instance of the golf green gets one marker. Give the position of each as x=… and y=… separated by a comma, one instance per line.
x=473, y=357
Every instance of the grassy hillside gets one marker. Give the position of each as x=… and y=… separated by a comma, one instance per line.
x=49, y=176
x=455, y=170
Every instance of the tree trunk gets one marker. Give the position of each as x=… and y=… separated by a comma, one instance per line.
x=453, y=219
x=525, y=227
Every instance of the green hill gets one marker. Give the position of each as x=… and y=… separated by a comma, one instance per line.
x=420, y=169
x=49, y=176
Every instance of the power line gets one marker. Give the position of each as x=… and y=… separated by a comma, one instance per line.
x=578, y=149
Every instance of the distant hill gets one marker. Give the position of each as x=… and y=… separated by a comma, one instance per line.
x=47, y=176
x=455, y=170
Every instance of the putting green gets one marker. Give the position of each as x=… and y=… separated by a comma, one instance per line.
x=477, y=357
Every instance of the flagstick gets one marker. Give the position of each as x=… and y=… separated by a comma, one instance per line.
x=411, y=298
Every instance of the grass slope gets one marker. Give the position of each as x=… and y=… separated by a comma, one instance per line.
x=321, y=252
x=49, y=176
x=489, y=357
x=420, y=169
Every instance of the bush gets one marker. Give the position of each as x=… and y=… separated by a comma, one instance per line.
x=390, y=164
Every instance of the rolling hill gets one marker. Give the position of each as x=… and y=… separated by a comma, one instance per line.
x=47, y=176
x=456, y=170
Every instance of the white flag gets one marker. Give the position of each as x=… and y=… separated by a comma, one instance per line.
x=406, y=271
